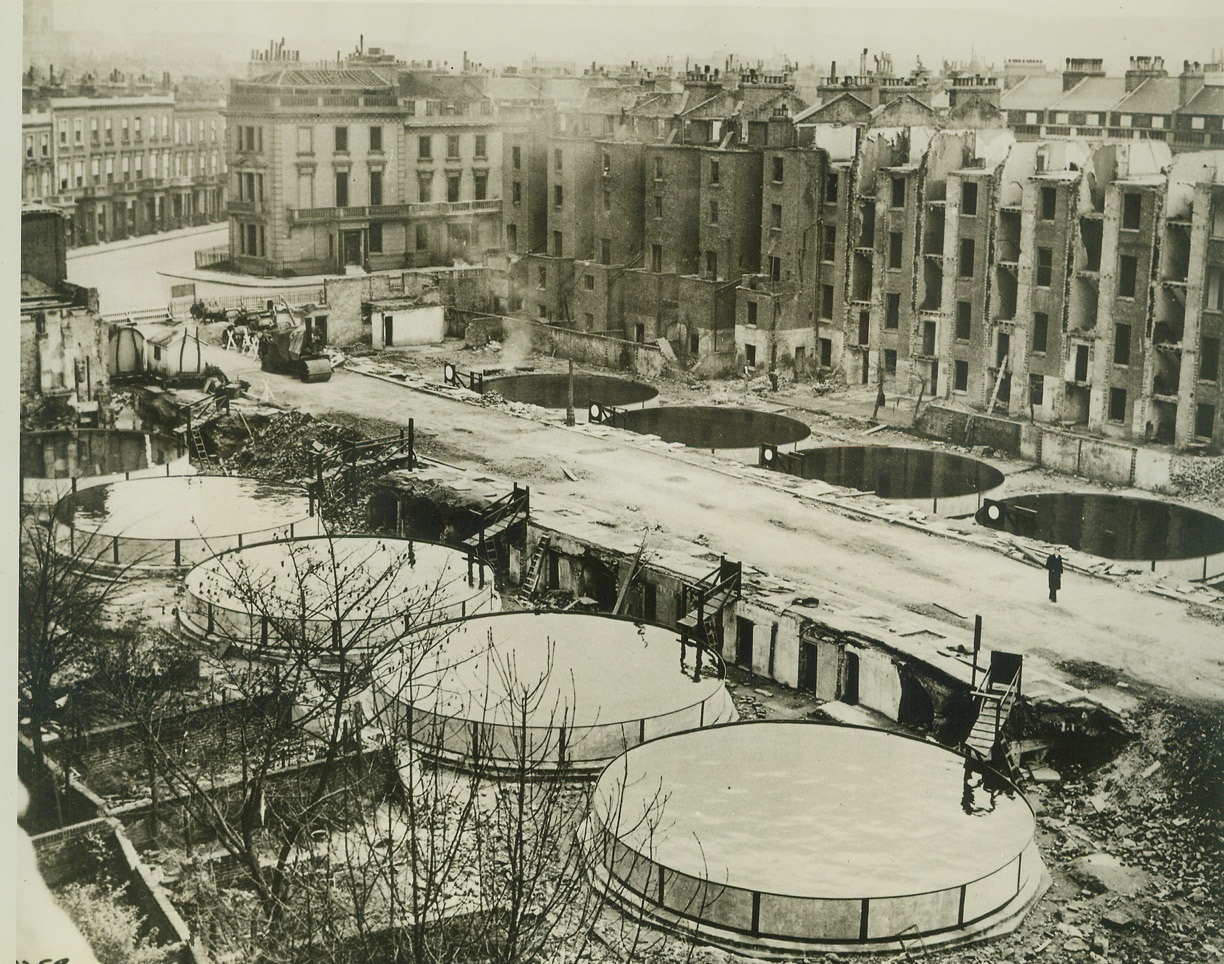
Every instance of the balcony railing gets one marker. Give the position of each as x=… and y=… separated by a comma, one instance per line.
x=434, y=208
x=392, y=211
x=319, y=215
x=257, y=208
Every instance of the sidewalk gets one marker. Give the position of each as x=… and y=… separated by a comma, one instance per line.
x=93, y=249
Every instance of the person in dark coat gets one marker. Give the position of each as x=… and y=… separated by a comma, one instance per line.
x=1054, y=566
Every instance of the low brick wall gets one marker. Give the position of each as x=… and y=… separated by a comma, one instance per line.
x=99, y=848
x=970, y=428
x=645, y=360
x=67, y=856
x=370, y=773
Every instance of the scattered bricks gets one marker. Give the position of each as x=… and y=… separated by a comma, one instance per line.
x=1104, y=873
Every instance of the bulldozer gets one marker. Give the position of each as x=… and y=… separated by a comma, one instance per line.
x=292, y=348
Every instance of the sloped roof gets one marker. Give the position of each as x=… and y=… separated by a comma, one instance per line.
x=906, y=102
x=1156, y=95
x=1209, y=100
x=763, y=108
x=356, y=77
x=1032, y=93
x=717, y=107
x=659, y=105
x=168, y=336
x=439, y=87
x=1092, y=94
x=843, y=102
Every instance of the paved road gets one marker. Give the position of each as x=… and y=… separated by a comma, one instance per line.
x=847, y=561
x=125, y=272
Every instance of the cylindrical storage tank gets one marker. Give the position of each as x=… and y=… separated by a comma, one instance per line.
x=938, y=482
x=159, y=524
x=551, y=390
x=1163, y=537
x=727, y=429
x=597, y=685
x=795, y=838
x=331, y=594
x=54, y=464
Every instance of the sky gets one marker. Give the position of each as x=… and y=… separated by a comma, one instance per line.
x=505, y=32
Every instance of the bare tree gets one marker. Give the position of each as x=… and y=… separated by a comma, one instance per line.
x=62, y=599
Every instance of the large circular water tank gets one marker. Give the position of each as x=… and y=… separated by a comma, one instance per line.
x=599, y=684
x=790, y=836
x=713, y=426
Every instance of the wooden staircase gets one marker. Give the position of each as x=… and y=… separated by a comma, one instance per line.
x=703, y=602
x=513, y=508
x=336, y=469
x=995, y=697
x=532, y=579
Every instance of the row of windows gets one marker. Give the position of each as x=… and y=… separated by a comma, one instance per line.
x=131, y=167
x=252, y=190
x=104, y=129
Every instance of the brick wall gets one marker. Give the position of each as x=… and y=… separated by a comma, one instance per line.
x=968, y=428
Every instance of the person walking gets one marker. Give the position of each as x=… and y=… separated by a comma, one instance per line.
x=1054, y=566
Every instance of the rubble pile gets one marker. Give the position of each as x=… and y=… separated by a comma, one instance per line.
x=1200, y=478
x=281, y=449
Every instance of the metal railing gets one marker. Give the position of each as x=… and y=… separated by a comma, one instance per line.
x=211, y=256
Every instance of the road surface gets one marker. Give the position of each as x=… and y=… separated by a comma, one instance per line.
x=126, y=272
x=849, y=562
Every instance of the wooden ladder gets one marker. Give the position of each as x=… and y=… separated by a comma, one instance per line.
x=196, y=442
x=534, y=567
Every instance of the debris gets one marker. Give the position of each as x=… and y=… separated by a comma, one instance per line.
x=1103, y=873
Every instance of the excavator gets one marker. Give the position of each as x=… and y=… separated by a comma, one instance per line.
x=291, y=348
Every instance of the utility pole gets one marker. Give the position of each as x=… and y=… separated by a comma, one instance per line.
x=569, y=396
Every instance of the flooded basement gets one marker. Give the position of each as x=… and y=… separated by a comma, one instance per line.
x=713, y=427
x=806, y=833
x=55, y=463
x=552, y=390
x=941, y=481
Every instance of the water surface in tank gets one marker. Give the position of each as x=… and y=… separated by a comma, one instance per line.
x=1112, y=526
x=893, y=472
x=552, y=390
x=715, y=427
x=183, y=507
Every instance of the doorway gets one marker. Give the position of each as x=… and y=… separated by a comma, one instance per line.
x=850, y=686
x=388, y=329
x=743, y=642
x=807, y=667
x=350, y=247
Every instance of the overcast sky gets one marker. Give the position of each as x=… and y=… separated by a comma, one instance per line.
x=511, y=32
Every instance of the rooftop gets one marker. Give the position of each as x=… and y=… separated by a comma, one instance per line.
x=359, y=77
x=67, y=103
x=1209, y=100
x=1032, y=93
x=1156, y=95
x=1093, y=94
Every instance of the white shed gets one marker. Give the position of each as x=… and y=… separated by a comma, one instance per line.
x=395, y=324
x=174, y=351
